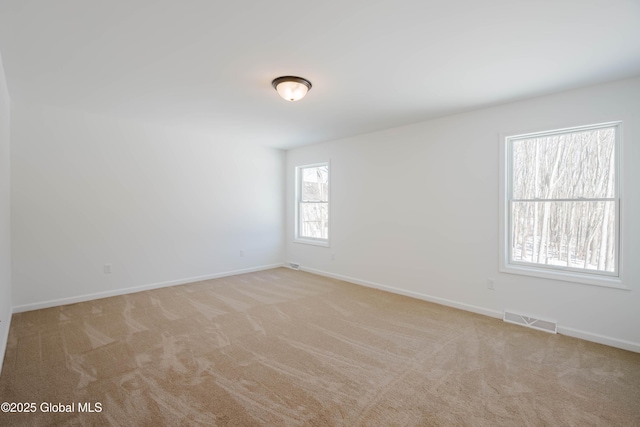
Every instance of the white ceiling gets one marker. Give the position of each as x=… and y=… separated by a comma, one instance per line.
x=374, y=64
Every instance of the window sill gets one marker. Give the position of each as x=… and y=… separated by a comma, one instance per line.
x=566, y=276
x=324, y=243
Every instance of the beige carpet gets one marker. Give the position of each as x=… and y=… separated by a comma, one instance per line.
x=287, y=348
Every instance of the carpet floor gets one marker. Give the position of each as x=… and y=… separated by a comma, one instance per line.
x=287, y=348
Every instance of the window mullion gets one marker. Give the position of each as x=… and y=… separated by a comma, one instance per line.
x=604, y=199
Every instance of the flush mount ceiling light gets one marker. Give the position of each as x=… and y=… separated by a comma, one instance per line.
x=291, y=88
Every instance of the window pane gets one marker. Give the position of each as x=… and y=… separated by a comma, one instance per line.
x=565, y=166
x=579, y=235
x=315, y=184
x=314, y=220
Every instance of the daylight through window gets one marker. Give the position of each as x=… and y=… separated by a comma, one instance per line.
x=312, y=208
x=563, y=200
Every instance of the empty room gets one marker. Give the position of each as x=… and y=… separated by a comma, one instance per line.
x=340, y=213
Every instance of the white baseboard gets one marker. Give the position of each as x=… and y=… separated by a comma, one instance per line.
x=587, y=336
x=424, y=297
x=123, y=291
x=600, y=339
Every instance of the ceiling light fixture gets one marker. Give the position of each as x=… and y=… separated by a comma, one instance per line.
x=291, y=88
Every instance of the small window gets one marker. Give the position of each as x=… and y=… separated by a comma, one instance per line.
x=312, y=204
x=562, y=204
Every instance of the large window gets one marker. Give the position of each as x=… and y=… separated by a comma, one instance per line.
x=562, y=204
x=312, y=204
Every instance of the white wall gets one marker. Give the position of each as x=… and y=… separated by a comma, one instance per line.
x=415, y=208
x=5, y=226
x=160, y=205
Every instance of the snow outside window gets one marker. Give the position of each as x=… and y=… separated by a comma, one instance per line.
x=312, y=204
x=562, y=204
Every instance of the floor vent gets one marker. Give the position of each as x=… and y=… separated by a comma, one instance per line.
x=531, y=322
x=293, y=265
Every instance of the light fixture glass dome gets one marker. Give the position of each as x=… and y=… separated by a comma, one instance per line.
x=291, y=88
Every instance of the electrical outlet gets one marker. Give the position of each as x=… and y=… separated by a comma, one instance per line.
x=490, y=284
x=107, y=269
x=333, y=257
x=241, y=252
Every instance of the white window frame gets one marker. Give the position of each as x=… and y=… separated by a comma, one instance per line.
x=598, y=278
x=298, y=201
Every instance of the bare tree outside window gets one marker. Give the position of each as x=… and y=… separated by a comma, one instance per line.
x=313, y=202
x=564, y=200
